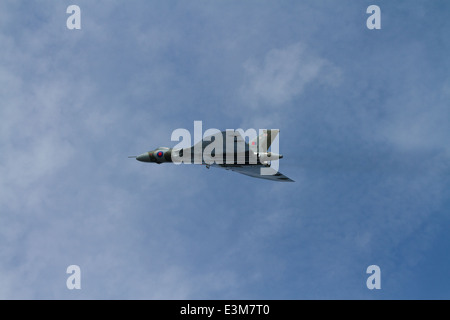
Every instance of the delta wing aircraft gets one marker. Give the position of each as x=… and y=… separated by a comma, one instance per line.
x=227, y=150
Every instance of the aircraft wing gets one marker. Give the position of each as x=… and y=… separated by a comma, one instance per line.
x=255, y=172
x=237, y=145
x=241, y=148
x=234, y=137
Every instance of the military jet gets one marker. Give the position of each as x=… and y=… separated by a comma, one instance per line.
x=227, y=150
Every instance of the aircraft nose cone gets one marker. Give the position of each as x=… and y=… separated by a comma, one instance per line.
x=143, y=157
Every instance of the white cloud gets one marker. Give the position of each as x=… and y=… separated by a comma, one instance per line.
x=283, y=74
x=69, y=195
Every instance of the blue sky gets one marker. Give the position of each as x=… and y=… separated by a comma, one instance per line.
x=364, y=123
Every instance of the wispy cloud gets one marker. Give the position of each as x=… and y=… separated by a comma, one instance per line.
x=367, y=142
x=283, y=74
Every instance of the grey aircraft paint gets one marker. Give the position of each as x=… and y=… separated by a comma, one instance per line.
x=245, y=158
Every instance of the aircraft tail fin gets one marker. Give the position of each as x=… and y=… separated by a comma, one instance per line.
x=263, y=142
